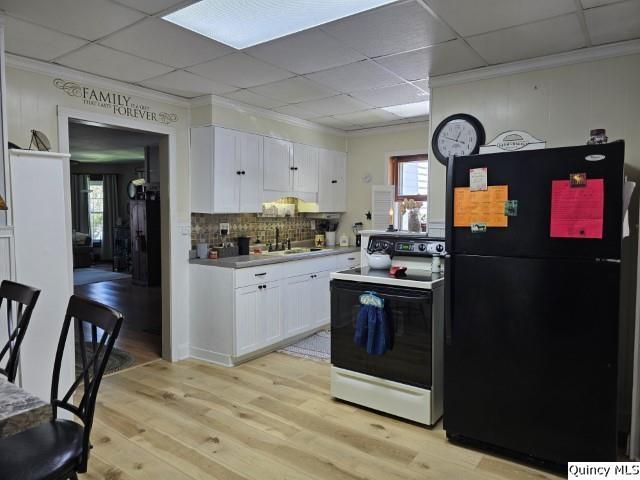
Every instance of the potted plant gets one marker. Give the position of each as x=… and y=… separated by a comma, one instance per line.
x=412, y=207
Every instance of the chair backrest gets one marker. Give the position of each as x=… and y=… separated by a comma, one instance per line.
x=102, y=324
x=24, y=299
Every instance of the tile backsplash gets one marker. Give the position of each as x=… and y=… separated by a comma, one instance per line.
x=206, y=227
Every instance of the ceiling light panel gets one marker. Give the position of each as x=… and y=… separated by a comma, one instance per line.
x=243, y=23
x=409, y=110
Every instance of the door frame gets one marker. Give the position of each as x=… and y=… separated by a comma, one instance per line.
x=171, y=258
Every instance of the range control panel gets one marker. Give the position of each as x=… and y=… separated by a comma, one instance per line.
x=408, y=246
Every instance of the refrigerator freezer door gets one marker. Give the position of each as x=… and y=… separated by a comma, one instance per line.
x=530, y=356
x=529, y=176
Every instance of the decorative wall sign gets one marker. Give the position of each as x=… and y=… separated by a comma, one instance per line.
x=512, y=141
x=116, y=103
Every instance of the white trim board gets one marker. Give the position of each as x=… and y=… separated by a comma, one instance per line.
x=401, y=127
x=590, y=54
x=175, y=290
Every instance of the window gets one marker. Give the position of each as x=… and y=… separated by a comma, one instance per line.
x=410, y=175
x=96, y=207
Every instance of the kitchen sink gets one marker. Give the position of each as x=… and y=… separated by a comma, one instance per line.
x=293, y=251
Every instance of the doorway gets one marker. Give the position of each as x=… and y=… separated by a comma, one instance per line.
x=117, y=230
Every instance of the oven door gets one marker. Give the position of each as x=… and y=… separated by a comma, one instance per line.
x=408, y=312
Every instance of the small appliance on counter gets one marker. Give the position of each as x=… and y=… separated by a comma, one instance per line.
x=403, y=374
x=243, y=245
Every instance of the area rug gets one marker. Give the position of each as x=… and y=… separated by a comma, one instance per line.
x=316, y=347
x=84, y=276
x=119, y=359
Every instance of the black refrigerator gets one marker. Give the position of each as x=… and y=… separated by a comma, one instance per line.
x=531, y=316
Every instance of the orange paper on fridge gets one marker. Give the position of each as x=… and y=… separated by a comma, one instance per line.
x=485, y=206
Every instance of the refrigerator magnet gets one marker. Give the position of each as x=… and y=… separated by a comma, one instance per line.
x=511, y=208
x=478, y=228
x=578, y=179
x=478, y=179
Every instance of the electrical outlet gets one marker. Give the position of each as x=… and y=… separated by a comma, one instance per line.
x=224, y=226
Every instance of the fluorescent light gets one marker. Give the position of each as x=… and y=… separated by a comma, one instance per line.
x=409, y=109
x=244, y=23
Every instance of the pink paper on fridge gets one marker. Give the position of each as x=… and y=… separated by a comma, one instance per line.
x=577, y=212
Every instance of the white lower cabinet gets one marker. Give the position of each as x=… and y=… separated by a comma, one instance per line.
x=320, y=299
x=297, y=304
x=258, y=317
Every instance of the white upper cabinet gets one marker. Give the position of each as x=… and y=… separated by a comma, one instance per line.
x=305, y=168
x=226, y=171
x=332, y=188
x=201, y=169
x=278, y=164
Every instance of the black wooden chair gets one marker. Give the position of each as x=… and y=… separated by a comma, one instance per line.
x=24, y=299
x=59, y=450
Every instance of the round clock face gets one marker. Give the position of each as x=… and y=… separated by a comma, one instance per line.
x=456, y=136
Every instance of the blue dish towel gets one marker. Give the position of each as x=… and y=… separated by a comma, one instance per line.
x=372, y=329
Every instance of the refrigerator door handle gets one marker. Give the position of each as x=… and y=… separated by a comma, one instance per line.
x=448, y=308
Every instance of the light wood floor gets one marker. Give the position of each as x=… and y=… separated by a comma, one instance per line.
x=269, y=419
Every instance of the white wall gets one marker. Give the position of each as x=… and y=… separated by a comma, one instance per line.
x=559, y=105
x=368, y=154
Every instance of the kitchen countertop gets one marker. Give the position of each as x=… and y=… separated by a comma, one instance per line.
x=245, y=261
x=20, y=410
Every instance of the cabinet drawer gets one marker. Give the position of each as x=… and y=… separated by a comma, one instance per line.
x=348, y=260
x=311, y=265
x=255, y=275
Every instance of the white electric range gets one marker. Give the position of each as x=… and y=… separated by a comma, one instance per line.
x=406, y=380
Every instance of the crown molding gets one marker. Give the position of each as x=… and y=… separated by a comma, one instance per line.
x=590, y=54
x=389, y=129
x=53, y=70
x=217, y=101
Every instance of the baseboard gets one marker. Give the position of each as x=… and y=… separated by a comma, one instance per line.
x=210, y=356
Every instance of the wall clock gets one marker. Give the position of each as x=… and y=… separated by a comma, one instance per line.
x=457, y=135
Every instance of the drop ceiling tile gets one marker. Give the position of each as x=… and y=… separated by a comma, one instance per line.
x=166, y=43
x=367, y=117
x=305, y=52
x=395, y=95
x=546, y=37
x=186, y=84
x=355, y=76
x=90, y=19
x=334, y=123
x=471, y=17
x=334, y=105
x=422, y=84
x=393, y=29
x=113, y=64
x=241, y=70
x=152, y=6
x=250, y=98
x=296, y=111
x=613, y=23
x=30, y=40
x=294, y=90
x=449, y=57
x=596, y=3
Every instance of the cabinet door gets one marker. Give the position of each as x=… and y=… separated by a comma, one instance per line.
x=247, y=319
x=278, y=162
x=320, y=299
x=201, y=169
x=339, y=182
x=305, y=168
x=226, y=172
x=325, y=177
x=269, y=306
x=297, y=305
x=250, y=161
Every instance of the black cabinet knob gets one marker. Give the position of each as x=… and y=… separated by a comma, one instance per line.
x=243, y=172
x=334, y=181
x=238, y=172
